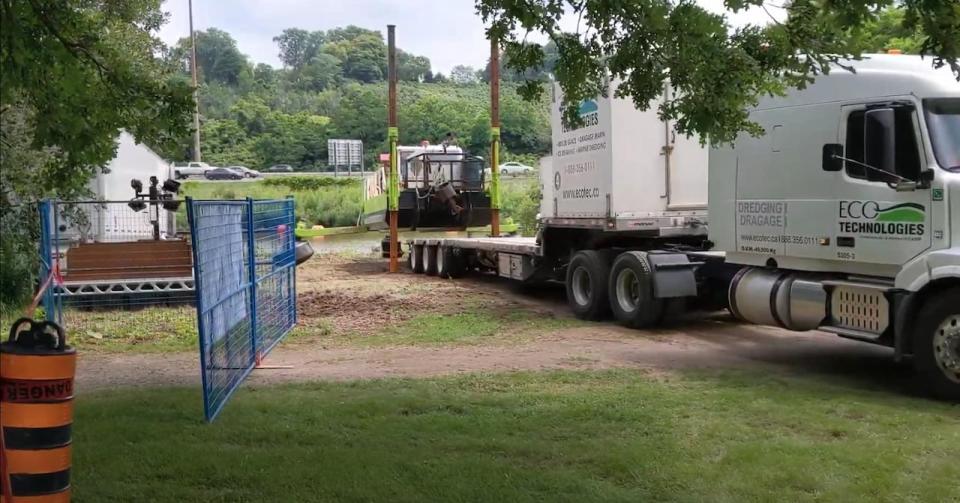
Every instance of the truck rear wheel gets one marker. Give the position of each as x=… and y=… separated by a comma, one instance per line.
x=430, y=260
x=450, y=263
x=416, y=258
x=587, y=277
x=936, y=344
x=631, y=291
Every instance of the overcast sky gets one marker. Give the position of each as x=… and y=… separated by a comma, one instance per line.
x=449, y=32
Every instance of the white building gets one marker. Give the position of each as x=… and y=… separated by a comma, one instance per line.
x=113, y=220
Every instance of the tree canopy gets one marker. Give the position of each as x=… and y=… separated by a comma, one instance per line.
x=74, y=73
x=333, y=85
x=719, y=71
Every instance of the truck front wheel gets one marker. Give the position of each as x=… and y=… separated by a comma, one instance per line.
x=936, y=344
x=631, y=291
x=587, y=277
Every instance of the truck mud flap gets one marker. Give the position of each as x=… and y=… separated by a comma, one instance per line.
x=673, y=275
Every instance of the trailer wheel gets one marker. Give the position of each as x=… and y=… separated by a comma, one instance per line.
x=631, y=291
x=450, y=262
x=430, y=260
x=416, y=258
x=936, y=344
x=587, y=277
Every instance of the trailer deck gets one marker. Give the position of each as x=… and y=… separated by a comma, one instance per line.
x=518, y=245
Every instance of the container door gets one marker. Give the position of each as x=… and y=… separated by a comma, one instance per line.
x=688, y=172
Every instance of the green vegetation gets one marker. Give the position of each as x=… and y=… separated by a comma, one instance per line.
x=333, y=85
x=319, y=200
x=520, y=200
x=555, y=436
x=152, y=329
x=73, y=75
x=471, y=325
x=336, y=202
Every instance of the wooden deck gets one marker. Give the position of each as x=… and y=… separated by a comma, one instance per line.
x=126, y=261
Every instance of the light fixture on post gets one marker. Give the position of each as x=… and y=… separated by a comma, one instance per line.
x=157, y=196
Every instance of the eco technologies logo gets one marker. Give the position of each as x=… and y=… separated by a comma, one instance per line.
x=871, y=217
x=589, y=113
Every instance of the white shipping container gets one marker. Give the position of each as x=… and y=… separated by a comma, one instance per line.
x=623, y=163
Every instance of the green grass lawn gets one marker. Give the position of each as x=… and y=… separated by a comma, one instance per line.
x=154, y=329
x=556, y=436
x=473, y=325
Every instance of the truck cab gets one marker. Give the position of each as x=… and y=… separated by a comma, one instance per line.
x=847, y=210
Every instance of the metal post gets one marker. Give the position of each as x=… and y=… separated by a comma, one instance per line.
x=252, y=272
x=393, y=135
x=198, y=295
x=494, y=137
x=196, y=96
x=47, y=264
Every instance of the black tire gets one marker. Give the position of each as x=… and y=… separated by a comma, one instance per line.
x=416, y=258
x=430, y=260
x=450, y=262
x=441, y=261
x=936, y=344
x=631, y=292
x=587, y=276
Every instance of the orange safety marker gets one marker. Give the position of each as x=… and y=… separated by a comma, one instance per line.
x=37, y=369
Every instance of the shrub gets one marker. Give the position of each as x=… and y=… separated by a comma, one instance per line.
x=302, y=183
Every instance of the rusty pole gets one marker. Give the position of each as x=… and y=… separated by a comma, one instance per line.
x=494, y=137
x=393, y=135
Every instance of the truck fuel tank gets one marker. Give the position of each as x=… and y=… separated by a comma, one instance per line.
x=778, y=298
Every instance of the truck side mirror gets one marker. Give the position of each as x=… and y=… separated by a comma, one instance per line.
x=832, y=157
x=879, y=142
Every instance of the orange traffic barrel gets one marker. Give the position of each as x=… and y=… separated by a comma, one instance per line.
x=36, y=413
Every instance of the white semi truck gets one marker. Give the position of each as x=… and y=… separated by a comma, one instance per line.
x=843, y=217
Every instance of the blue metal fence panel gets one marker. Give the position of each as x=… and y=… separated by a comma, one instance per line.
x=274, y=245
x=244, y=269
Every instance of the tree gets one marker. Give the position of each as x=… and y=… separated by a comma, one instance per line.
x=73, y=75
x=264, y=74
x=412, y=68
x=511, y=73
x=322, y=72
x=462, y=74
x=888, y=31
x=362, y=114
x=218, y=58
x=298, y=47
x=363, y=57
x=718, y=71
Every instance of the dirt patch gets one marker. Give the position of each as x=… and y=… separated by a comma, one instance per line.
x=344, y=312
x=357, y=295
x=708, y=344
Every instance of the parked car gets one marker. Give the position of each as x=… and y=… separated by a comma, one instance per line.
x=223, y=174
x=190, y=169
x=280, y=168
x=247, y=172
x=514, y=168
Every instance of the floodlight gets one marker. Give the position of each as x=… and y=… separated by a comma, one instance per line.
x=137, y=204
x=171, y=186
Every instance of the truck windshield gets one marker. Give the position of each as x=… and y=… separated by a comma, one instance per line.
x=943, y=121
